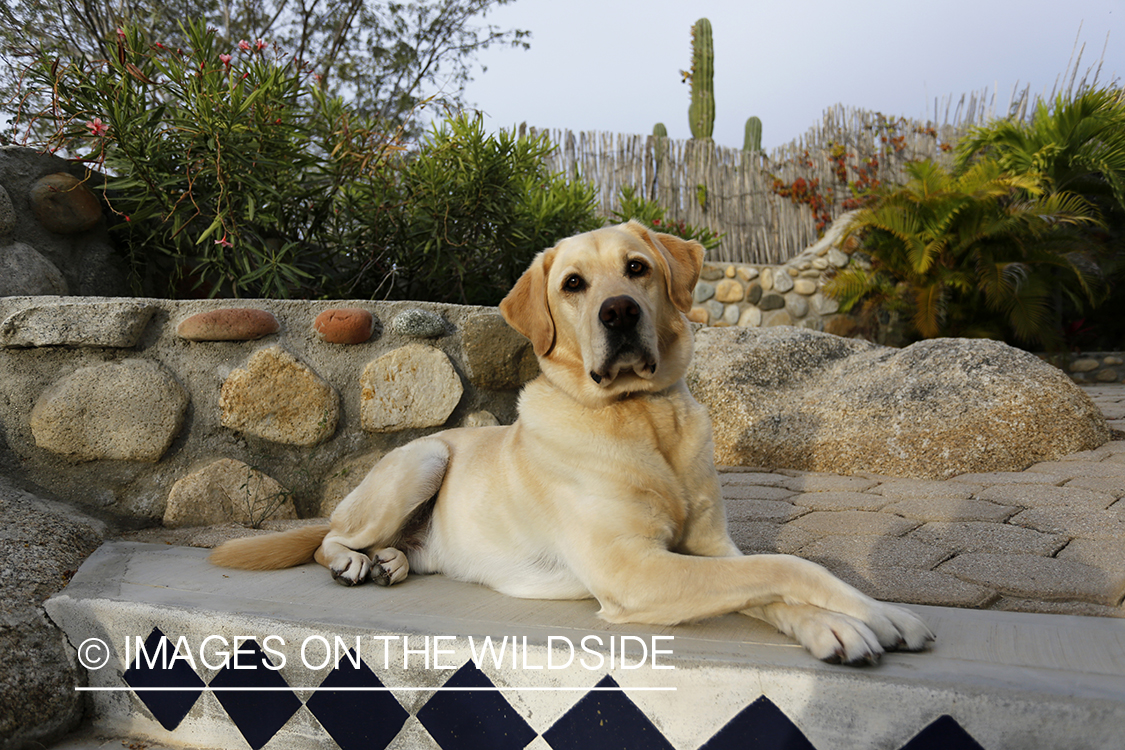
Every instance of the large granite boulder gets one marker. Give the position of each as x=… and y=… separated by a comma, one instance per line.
x=798, y=399
x=42, y=544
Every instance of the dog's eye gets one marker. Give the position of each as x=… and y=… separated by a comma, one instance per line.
x=636, y=268
x=574, y=283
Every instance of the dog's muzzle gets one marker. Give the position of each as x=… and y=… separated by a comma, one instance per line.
x=621, y=316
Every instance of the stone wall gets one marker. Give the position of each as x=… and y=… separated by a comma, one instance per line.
x=791, y=294
x=200, y=412
x=1090, y=367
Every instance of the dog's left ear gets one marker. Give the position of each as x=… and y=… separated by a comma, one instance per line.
x=526, y=309
x=682, y=259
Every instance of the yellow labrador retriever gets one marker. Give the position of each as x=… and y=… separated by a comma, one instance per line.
x=604, y=487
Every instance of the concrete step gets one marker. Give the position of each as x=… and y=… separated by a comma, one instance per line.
x=994, y=680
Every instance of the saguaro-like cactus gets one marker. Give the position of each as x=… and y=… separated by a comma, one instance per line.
x=701, y=113
x=659, y=130
x=753, y=139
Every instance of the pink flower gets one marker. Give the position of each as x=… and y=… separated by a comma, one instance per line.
x=224, y=242
x=121, y=33
x=244, y=45
x=260, y=45
x=97, y=127
x=225, y=59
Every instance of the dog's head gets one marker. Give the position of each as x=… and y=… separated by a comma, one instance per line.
x=605, y=310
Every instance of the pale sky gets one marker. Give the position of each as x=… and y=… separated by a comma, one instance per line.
x=613, y=65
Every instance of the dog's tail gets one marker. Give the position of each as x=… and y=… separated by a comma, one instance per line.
x=284, y=549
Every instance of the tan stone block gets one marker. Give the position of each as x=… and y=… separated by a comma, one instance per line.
x=1037, y=495
x=1100, y=553
x=911, y=586
x=815, y=482
x=804, y=286
x=854, y=523
x=776, y=511
x=1074, y=469
x=732, y=477
x=115, y=411
x=1080, y=522
x=226, y=491
x=411, y=387
x=729, y=290
x=866, y=553
x=840, y=500
x=729, y=272
x=756, y=492
x=277, y=398
x=699, y=315
x=1038, y=577
x=980, y=536
x=765, y=537
x=949, y=509
x=926, y=488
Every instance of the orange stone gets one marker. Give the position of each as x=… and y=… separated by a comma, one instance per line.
x=349, y=325
x=229, y=324
x=63, y=204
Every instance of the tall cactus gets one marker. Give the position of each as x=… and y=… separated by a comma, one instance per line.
x=701, y=113
x=753, y=139
x=659, y=130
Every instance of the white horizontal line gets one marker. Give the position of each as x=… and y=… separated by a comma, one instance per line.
x=365, y=689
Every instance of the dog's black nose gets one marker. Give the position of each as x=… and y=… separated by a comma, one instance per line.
x=620, y=313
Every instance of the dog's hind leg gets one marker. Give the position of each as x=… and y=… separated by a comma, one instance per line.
x=370, y=520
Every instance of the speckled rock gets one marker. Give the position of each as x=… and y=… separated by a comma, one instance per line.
x=499, y=358
x=782, y=281
x=127, y=411
x=411, y=387
x=24, y=271
x=7, y=215
x=277, y=398
x=771, y=301
x=228, y=324
x=226, y=491
x=419, y=324
x=101, y=324
x=348, y=325
x=751, y=317
x=63, y=204
x=797, y=399
x=703, y=291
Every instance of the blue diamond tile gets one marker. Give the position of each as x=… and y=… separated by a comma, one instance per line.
x=759, y=726
x=943, y=734
x=472, y=720
x=168, y=707
x=356, y=720
x=605, y=721
x=258, y=714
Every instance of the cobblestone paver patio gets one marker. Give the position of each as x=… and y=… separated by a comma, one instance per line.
x=1048, y=539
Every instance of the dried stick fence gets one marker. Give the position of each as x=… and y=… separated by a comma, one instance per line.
x=771, y=206
x=736, y=193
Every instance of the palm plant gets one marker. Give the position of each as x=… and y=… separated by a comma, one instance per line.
x=978, y=254
x=1078, y=144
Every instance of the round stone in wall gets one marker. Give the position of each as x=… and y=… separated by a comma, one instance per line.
x=115, y=411
x=771, y=301
x=228, y=324
x=797, y=305
x=703, y=292
x=751, y=318
x=344, y=325
x=804, y=286
x=63, y=204
x=714, y=309
x=754, y=293
x=277, y=398
x=411, y=387
x=226, y=491
x=730, y=315
x=782, y=282
x=419, y=324
x=729, y=290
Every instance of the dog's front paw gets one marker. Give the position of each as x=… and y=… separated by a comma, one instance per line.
x=835, y=638
x=350, y=568
x=391, y=566
x=899, y=629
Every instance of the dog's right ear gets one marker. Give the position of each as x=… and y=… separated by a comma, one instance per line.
x=526, y=309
